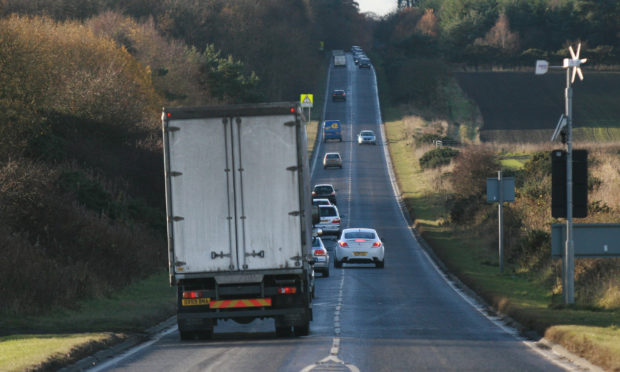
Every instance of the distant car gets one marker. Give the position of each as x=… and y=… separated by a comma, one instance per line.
x=364, y=63
x=359, y=245
x=324, y=190
x=357, y=56
x=356, y=48
x=339, y=95
x=320, y=256
x=321, y=202
x=332, y=159
x=330, y=219
x=367, y=136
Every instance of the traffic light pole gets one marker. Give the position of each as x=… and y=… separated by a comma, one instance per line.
x=569, y=251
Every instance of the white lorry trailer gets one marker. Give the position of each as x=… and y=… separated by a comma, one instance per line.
x=340, y=60
x=239, y=216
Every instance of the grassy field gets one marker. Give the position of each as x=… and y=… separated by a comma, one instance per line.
x=66, y=335
x=520, y=106
x=592, y=334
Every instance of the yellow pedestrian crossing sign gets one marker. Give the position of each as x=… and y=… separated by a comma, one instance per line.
x=306, y=100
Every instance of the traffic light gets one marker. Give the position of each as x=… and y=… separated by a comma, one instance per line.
x=580, y=183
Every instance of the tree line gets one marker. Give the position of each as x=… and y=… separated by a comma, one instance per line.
x=426, y=39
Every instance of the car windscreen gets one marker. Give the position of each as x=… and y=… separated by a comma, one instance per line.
x=367, y=133
x=316, y=242
x=359, y=235
x=333, y=156
x=323, y=190
x=328, y=212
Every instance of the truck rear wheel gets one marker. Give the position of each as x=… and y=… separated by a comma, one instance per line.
x=284, y=331
x=186, y=335
x=302, y=330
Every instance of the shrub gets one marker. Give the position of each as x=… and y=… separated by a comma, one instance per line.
x=472, y=166
x=59, y=250
x=437, y=157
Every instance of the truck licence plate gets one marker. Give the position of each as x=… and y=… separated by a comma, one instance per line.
x=195, y=301
x=360, y=253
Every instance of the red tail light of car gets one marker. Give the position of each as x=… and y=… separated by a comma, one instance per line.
x=343, y=244
x=376, y=244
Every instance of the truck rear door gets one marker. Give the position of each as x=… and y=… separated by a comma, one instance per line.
x=268, y=192
x=201, y=195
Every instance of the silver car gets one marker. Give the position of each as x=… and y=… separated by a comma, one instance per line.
x=320, y=256
x=330, y=219
x=332, y=159
x=367, y=136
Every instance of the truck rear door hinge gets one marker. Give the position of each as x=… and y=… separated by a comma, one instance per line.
x=294, y=213
x=290, y=123
x=178, y=218
x=215, y=255
x=292, y=168
x=172, y=129
x=175, y=174
x=260, y=254
x=297, y=260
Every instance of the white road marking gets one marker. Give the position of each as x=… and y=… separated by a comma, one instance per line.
x=332, y=361
x=110, y=363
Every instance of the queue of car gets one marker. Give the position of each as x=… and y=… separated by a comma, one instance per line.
x=354, y=245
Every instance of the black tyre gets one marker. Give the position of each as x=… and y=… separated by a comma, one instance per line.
x=337, y=264
x=380, y=264
x=303, y=330
x=284, y=331
x=187, y=335
x=339, y=139
x=326, y=273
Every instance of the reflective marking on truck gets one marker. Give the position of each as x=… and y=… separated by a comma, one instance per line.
x=249, y=302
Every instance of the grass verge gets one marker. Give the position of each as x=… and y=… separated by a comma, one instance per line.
x=593, y=334
x=63, y=335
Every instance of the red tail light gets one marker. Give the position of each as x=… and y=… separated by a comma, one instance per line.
x=343, y=244
x=319, y=252
x=313, y=193
x=192, y=294
x=376, y=244
x=333, y=193
x=336, y=220
x=360, y=240
x=287, y=290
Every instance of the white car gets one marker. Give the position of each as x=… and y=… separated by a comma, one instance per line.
x=367, y=136
x=359, y=245
x=321, y=202
x=330, y=219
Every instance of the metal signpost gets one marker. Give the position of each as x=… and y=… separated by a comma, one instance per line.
x=307, y=100
x=571, y=65
x=500, y=190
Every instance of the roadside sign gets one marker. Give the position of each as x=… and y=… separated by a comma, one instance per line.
x=591, y=240
x=508, y=189
x=542, y=67
x=306, y=100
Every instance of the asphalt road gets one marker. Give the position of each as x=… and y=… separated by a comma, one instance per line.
x=405, y=317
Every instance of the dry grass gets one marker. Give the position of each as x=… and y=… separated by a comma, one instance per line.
x=597, y=344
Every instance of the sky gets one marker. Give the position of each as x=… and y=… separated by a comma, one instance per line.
x=380, y=7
